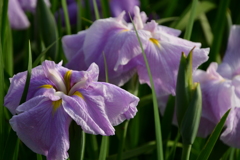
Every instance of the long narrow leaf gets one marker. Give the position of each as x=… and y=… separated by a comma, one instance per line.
x=205, y=153
x=66, y=16
x=155, y=103
x=24, y=95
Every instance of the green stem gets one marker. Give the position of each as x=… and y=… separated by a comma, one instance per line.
x=155, y=103
x=82, y=145
x=79, y=15
x=104, y=147
x=186, y=151
x=96, y=10
x=189, y=27
x=122, y=140
x=66, y=17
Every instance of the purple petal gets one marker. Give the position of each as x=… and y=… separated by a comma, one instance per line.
x=16, y=15
x=101, y=108
x=124, y=5
x=205, y=127
x=43, y=131
x=230, y=136
x=73, y=43
x=233, y=50
x=163, y=58
x=13, y=97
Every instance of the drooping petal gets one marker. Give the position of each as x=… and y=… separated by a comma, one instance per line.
x=13, y=97
x=16, y=15
x=101, y=108
x=230, y=136
x=43, y=130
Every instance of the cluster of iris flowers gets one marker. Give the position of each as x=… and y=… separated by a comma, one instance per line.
x=103, y=58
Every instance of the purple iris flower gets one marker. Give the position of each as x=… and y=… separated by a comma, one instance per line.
x=117, y=39
x=221, y=91
x=57, y=96
x=16, y=15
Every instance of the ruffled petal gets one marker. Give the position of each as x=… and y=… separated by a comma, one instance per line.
x=230, y=136
x=116, y=111
x=163, y=58
x=42, y=130
x=100, y=108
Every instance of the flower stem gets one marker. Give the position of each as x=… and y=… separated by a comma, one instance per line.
x=186, y=151
x=104, y=146
x=66, y=17
x=82, y=145
x=122, y=140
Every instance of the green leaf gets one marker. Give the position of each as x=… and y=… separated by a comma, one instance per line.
x=191, y=120
x=2, y=116
x=168, y=117
x=47, y=28
x=213, y=138
x=136, y=151
x=66, y=17
x=38, y=59
x=206, y=28
x=96, y=10
x=202, y=7
x=158, y=132
x=218, y=30
x=25, y=92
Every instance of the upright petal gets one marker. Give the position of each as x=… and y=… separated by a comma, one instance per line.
x=43, y=131
x=231, y=56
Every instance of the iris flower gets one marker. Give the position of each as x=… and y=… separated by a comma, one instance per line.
x=117, y=40
x=16, y=15
x=220, y=86
x=57, y=96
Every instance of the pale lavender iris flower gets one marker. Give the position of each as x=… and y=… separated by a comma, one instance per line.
x=220, y=86
x=16, y=12
x=117, y=40
x=57, y=96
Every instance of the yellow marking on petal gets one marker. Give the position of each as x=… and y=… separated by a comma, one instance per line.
x=155, y=41
x=67, y=79
x=56, y=105
x=77, y=93
x=124, y=30
x=47, y=86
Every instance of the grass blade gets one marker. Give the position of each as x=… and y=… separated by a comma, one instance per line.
x=96, y=10
x=24, y=95
x=155, y=103
x=66, y=16
x=205, y=153
x=189, y=27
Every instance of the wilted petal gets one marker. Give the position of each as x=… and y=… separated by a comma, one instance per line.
x=230, y=136
x=42, y=130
